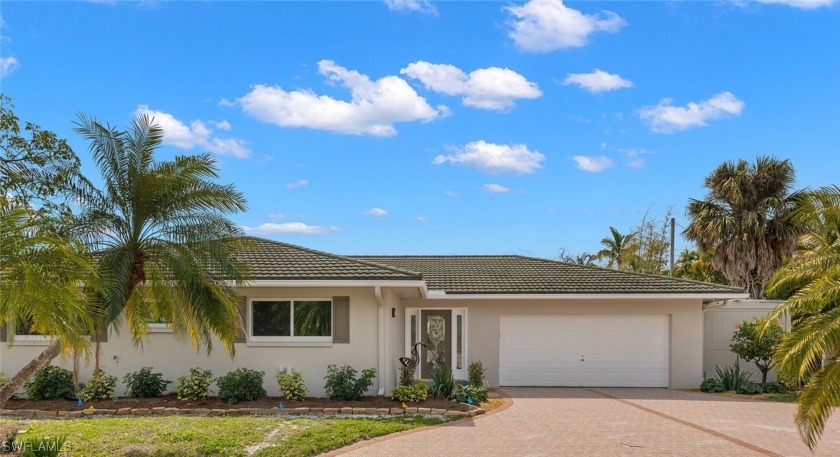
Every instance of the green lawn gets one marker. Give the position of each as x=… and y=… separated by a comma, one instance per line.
x=214, y=436
x=785, y=397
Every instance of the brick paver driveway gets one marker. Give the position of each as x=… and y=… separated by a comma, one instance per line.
x=616, y=422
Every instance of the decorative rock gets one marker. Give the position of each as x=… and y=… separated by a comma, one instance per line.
x=140, y=411
x=217, y=412
x=411, y=410
x=359, y=410
x=106, y=412
x=74, y=414
x=370, y=411
x=41, y=413
x=456, y=413
x=123, y=411
x=301, y=410
x=88, y=412
x=201, y=411
x=347, y=410
x=331, y=410
x=438, y=411
x=316, y=410
x=25, y=412
x=171, y=411
x=158, y=410
x=424, y=411
x=265, y=411
x=64, y=413
x=383, y=411
x=7, y=412
x=396, y=411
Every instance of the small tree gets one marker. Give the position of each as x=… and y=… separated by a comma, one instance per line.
x=755, y=341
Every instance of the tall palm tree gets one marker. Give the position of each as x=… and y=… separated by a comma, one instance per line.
x=164, y=246
x=743, y=219
x=812, y=351
x=618, y=248
x=40, y=275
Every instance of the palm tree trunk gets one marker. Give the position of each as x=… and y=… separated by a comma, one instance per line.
x=37, y=364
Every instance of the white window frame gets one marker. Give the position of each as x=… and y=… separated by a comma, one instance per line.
x=456, y=372
x=289, y=340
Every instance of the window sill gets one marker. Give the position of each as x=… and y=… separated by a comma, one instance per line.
x=289, y=344
x=32, y=340
x=160, y=328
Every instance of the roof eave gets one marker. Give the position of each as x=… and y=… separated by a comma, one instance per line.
x=440, y=295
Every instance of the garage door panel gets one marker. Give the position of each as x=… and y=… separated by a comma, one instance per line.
x=617, y=351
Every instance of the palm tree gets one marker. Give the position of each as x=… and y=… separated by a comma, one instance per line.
x=586, y=259
x=40, y=275
x=743, y=219
x=812, y=351
x=618, y=248
x=163, y=244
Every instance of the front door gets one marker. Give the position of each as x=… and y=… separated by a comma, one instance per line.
x=436, y=332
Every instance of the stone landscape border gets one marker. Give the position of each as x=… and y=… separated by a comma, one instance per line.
x=345, y=411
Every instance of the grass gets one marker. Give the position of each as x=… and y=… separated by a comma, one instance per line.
x=213, y=436
x=789, y=397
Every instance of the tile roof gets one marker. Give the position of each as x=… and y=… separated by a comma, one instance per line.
x=514, y=274
x=273, y=260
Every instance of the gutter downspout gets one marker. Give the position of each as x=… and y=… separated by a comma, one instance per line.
x=377, y=291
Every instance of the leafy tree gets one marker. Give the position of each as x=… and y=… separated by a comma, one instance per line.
x=652, y=241
x=618, y=248
x=755, y=341
x=698, y=267
x=584, y=258
x=744, y=220
x=164, y=245
x=811, y=353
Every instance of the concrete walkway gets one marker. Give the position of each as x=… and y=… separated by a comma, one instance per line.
x=616, y=422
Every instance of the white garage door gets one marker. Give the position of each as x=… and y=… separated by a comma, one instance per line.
x=596, y=351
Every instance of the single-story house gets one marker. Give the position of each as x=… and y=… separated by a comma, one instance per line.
x=530, y=321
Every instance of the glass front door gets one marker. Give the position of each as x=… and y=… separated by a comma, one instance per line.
x=436, y=332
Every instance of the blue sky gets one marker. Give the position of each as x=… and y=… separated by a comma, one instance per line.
x=449, y=127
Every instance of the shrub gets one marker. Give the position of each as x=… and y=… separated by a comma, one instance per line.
x=471, y=394
x=407, y=375
x=343, y=385
x=241, y=384
x=292, y=386
x=773, y=388
x=732, y=378
x=49, y=383
x=99, y=387
x=475, y=374
x=443, y=383
x=711, y=385
x=145, y=384
x=194, y=386
x=415, y=393
x=3, y=380
x=755, y=341
x=749, y=388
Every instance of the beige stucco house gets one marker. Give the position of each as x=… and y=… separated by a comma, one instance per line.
x=532, y=322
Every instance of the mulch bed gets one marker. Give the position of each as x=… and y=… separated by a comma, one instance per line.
x=171, y=401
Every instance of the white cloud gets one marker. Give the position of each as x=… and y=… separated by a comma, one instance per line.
x=593, y=164
x=496, y=189
x=490, y=88
x=8, y=65
x=276, y=216
x=547, y=25
x=634, y=157
x=379, y=212
x=412, y=6
x=223, y=125
x=194, y=135
x=597, y=81
x=421, y=218
x=667, y=118
x=226, y=103
x=802, y=4
x=297, y=184
x=374, y=108
x=298, y=228
x=451, y=194
x=495, y=158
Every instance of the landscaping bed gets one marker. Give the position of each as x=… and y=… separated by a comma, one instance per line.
x=171, y=401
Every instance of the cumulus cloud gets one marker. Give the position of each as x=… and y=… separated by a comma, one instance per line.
x=379, y=212
x=8, y=65
x=412, y=6
x=597, y=81
x=547, y=25
x=223, y=125
x=291, y=228
x=496, y=188
x=593, y=164
x=495, y=158
x=297, y=184
x=374, y=108
x=194, y=135
x=802, y=4
x=490, y=88
x=667, y=118
x=421, y=218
